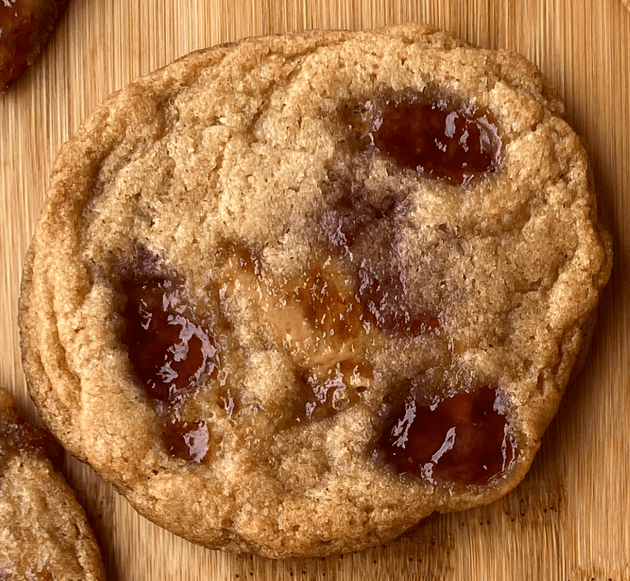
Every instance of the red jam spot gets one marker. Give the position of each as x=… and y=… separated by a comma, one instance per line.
x=462, y=439
x=187, y=440
x=326, y=309
x=440, y=137
x=170, y=351
x=24, y=27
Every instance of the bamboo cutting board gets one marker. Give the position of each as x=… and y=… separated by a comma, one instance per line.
x=570, y=518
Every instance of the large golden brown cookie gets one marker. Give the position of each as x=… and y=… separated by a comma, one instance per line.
x=293, y=295
x=44, y=533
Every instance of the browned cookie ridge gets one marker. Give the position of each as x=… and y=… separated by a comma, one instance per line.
x=291, y=296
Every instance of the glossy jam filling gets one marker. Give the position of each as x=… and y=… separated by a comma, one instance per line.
x=461, y=439
x=171, y=352
x=439, y=136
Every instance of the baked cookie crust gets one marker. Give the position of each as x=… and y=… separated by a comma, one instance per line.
x=44, y=533
x=341, y=297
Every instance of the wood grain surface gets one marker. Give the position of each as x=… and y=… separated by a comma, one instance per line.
x=570, y=518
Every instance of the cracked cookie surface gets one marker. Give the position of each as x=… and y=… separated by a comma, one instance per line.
x=293, y=295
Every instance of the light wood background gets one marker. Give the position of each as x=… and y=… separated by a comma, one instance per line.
x=570, y=519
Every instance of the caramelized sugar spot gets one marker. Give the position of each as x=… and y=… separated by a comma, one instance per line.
x=353, y=215
x=325, y=308
x=366, y=235
x=438, y=135
x=462, y=439
x=240, y=257
x=383, y=296
x=189, y=441
x=324, y=393
x=229, y=402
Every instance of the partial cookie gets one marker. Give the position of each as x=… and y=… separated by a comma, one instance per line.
x=293, y=295
x=24, y=29
x=44, y=533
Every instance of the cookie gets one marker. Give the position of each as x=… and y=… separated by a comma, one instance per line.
x=44, y=533
x=291, y=296
x=24, y=29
